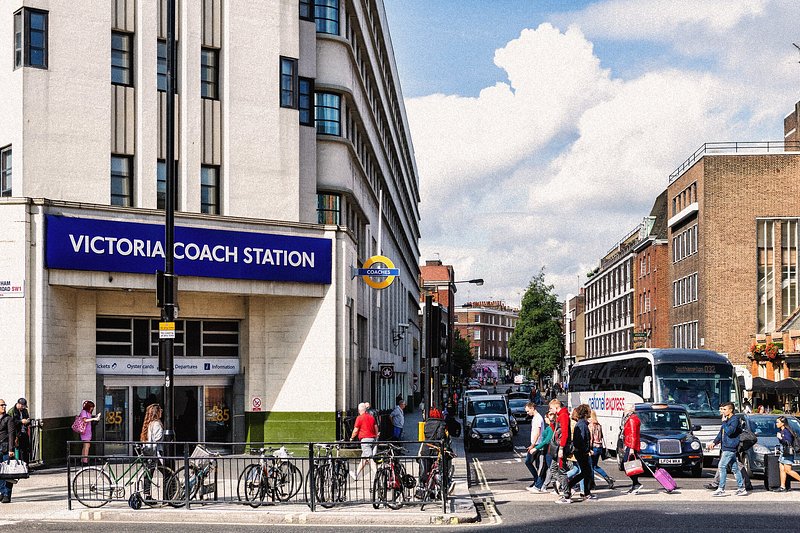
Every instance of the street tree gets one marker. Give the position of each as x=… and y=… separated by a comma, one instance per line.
x=463, y=359
x=537, y=342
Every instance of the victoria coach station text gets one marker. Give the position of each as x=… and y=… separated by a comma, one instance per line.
x=101, y=245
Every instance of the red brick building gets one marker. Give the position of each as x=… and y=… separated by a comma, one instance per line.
x=651, y=266
x=488, y=326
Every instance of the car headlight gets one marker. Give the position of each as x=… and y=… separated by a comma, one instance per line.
x=760, y=449
x=643, y=445
x=695, y=445
x=506, y=435
x=474, y=435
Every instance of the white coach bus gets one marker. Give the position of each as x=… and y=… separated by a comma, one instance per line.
x=700, y=380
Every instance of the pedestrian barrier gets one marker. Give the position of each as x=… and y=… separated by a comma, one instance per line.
x=317, y=474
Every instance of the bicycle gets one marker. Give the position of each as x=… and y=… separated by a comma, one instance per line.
x=391, y=481
x=95, y=486
x=331, y=476
x=202, y=469
x=431, y=489
x=274, y=475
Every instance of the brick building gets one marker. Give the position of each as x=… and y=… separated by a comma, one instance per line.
x=651, y=304
x=574, y=329
x=734, y=210
x=488, y=326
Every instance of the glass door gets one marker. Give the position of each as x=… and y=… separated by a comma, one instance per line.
x=143, y=397
x=186, y=407
x=115, y=418
x=218, y=419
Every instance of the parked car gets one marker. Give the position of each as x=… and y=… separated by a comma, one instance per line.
x=473, y=384
x=489, y=430
x=517, y=407
x=667, y=439
x=492, y=404
x=518, y=396
x=765, y=429
x=526, y=388
x=466, y=396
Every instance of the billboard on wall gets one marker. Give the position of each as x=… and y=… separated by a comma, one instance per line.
x=74, y=243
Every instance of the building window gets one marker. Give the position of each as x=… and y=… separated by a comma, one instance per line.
x=307, y=9
x=161, y=69
x=304, y=102
x=765, y=292
x=329, y=208
x=326, y=13
x=121, y=58
x=209, y=189
x=161, y=185
x=121, y=180
x=789, y=256
x=30, y=38
x=5, y=171
x=327, y=113
x=288, y=82
x=209, y=73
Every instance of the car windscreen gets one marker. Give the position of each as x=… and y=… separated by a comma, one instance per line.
x=664, y=420
x=491, y=422
x=765, y=425
x=517, y=404
x=480, y=407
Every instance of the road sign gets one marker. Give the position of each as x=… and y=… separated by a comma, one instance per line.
x=640, y=335
x=387, y=371
x=166, y=330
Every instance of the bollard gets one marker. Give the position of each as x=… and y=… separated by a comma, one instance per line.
x=421, y=433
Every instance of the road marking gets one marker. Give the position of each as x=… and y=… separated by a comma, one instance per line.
x=483, y=498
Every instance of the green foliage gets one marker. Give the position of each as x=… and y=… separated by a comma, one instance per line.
x=463, y=359
x=538, y=343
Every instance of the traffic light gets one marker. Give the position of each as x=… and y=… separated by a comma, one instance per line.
x=436, y=325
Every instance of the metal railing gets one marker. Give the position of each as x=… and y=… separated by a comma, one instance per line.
x=316, y=474
x=744, y=148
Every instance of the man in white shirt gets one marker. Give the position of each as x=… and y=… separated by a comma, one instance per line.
x=534, y=456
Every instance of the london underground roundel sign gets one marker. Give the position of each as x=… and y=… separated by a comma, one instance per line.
x=376, y=276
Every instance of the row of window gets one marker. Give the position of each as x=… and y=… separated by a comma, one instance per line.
x=644, y=301
x=30, y=38
x=619, y=341
x=684, y=290
x=611, y=284
x=5, y=171
x=627, y=376
x=685, y=335
x=612, y=315
x=684, y=198
x=644, y=265
x=684, y=244
x=138, y=337
x=122, y=184
x=766, y=302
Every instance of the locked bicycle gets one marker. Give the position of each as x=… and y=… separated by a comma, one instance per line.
x=330, y=477
x=431, y=489
x=274, y=475
x=202, y=469
x=392, y=484
x=147, y=478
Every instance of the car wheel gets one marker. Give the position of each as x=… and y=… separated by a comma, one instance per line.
x=748, y=468
x=697, y=470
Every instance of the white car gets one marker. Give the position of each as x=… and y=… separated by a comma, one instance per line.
x=466, y=396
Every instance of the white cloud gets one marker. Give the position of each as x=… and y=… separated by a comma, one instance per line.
x=553, y=167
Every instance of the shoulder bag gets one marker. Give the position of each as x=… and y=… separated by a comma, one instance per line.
x=633, y=467
x=13, y=469
x=79, y=425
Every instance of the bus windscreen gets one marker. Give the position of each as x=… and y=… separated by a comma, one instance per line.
x=701, y=388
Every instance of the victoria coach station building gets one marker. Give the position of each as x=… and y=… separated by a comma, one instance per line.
x=260, y=350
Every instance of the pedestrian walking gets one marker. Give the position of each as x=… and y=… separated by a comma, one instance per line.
x=398, y=420
x=153, y=435
x=22, y=419
x=631, y=426
x=86, y=435
x=598, y=449
x=560, y=444
x=728, y=438
x=8, y=434
x=545, y=474
x=365, y=430
x=582, y=444
x=534, y=458
x=787, y=438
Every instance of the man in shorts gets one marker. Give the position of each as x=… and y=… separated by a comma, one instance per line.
x=365, y=430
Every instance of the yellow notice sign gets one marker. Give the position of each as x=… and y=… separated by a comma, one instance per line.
x=166, y=330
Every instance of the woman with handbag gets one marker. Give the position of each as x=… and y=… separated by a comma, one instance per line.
x=598, y=448
x=8, y=434
x=83, y=426
x=630, y=429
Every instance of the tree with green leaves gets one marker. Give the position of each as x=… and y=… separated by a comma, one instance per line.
x=463, y=359
x=538, y=342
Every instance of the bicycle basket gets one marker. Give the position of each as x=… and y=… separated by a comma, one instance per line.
x=201, y=456
x=409, y=481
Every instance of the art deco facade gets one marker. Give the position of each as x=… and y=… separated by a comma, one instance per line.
x=292, y=152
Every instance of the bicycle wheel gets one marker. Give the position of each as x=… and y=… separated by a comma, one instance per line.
x=395, y=494
x=342, y=477
x=176, y=486
x=295, y=479
x=92, y=486
x=379, y=487
x=281, y=482
x=325, y=489
x=251, y=487
x=157, y=485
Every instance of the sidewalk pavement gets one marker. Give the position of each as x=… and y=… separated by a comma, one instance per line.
x=43, y=497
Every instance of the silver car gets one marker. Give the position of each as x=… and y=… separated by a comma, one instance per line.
x=765, y=429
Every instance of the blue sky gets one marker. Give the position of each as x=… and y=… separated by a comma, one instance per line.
x=549, y=127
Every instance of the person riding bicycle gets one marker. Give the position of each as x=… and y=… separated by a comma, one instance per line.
x=435, y=429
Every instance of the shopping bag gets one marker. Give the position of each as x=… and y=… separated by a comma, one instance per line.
x=13, y=469
x=633, y=468
x=79, y=425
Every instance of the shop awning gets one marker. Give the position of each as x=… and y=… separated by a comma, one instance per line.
x=787, y=386
x=763, y=385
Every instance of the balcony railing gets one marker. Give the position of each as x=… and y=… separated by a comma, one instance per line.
x=743, y=148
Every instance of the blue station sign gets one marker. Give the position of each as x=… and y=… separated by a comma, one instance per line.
x=113, y=246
